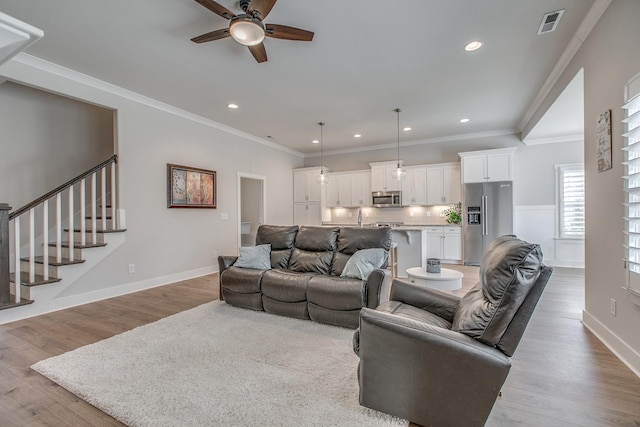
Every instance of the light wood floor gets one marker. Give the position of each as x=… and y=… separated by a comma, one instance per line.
x=561, y=376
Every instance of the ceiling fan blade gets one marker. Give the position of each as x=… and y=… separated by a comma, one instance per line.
x=263, y=7
x=287, y=33
x=259, y=52
x=217, y=8
x=213, y=35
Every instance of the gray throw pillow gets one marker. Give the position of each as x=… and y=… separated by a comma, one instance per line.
x=257, y=257
x=363, y=262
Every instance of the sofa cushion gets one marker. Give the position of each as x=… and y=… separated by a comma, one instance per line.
x=337, y=293
x=256, y=257
x=241, y=280
x=317, y=239
x=363, y=262
x=281, y=239
x=509, y=269
x=287, y=286
x=353, y=239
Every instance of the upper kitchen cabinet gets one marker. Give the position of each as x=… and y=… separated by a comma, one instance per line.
x=487, y=165
x=361, y=188
x=414, y=186
x=381, y=176
x=443, y=184
x=339, y=190
x=306, y=187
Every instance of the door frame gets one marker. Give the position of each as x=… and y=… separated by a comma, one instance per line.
x=263, y=180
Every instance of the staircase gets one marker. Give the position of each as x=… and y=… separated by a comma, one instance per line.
x=38, y=263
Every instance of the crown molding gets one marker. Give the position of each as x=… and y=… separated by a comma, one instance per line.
x=590, y=20
x=100, y=85
x=578, y=137
x=452, y=138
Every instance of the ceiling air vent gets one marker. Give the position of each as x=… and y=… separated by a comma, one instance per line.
x=550, y=21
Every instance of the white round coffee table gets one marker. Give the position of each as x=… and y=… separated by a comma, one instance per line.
x=446, y=280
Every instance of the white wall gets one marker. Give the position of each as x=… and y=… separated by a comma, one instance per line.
x=167, y=244
x=610, y=57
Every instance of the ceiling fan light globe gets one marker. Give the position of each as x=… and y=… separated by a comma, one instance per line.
x=247, y=31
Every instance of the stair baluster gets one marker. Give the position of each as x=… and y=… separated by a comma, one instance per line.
x=113, y=196
x=16, y=246
x=103, y=197
x=71, y=234
x=94, y=235
x=83, y=214
x=45, y=239
x=32, y=246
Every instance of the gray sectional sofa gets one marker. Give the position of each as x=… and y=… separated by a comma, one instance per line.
x=306, y=278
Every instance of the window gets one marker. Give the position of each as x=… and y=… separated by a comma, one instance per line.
x=570, y=179
x=632, y=182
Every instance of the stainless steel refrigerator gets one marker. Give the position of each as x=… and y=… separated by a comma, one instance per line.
x=487, y=214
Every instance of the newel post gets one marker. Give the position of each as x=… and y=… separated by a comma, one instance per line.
x=5, y=290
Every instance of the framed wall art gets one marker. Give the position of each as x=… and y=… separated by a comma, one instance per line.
x=189, y=187
x=603, y=137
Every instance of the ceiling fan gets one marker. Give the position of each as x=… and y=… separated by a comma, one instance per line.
x=248, y=29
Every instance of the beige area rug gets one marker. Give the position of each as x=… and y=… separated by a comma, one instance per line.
x=217, y=365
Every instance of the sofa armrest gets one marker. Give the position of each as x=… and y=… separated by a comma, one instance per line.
x=437, y=302
x=374, y=286
x=224, y=262
x=412, y=369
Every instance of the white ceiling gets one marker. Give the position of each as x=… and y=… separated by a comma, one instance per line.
x=367, y=58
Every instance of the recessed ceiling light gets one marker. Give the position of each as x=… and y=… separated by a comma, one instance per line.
x=472, y=45
x=232, y=106
x=315, y=141
x=407, y=129
x=464, y=120
x=357, y=135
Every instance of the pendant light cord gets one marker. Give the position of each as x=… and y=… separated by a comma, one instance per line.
x=397, y=110
x=321, y=149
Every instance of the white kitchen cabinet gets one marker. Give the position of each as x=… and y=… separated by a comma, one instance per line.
x=444, y=243
x=339, y=190
x=414, y=186
x=307, y=214
x=381, y=176
x=443, y=184
x=487, y=165
x=361, y=188
x=306, y=187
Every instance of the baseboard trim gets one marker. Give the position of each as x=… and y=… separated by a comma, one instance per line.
x=621, y=349
x=128, y=288
x=58, y=304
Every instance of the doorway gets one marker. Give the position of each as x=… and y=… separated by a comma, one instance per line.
x=251, y=207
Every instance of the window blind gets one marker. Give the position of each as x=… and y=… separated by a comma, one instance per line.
x=631, y=178
x=571, y=201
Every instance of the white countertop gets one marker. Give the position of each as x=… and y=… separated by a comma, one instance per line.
x=406, y=227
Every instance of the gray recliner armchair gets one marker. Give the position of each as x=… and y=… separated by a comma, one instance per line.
x=439, y=360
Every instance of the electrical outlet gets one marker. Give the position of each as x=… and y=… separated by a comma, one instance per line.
x=411, y=214
x=428, y=213
x=612, y=307
x=350, y=214
x=224, y=216
x=132, y=268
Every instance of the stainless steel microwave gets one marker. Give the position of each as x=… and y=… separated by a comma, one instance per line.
x=387, y=199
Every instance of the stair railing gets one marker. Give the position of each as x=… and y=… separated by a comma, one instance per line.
x=105, y=173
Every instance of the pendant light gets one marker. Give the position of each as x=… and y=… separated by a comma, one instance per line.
x=399, y=173
x=322, y=178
